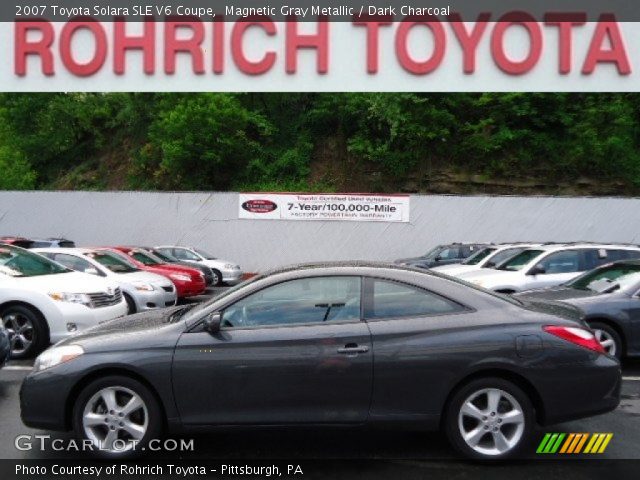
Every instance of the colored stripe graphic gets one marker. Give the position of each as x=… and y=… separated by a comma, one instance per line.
x=573, y=443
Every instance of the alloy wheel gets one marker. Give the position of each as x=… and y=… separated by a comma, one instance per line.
x=21, y=332
x=606, y=340
x=491, y=421
x=115, y=419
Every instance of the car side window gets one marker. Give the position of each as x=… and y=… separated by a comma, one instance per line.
x=183, y=254
x=391, y=299
x=300, y=301
x=566, y=261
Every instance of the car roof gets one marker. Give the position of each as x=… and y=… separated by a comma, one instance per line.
x=346, y=264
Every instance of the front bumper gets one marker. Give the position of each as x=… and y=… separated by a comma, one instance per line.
x=190, y=289
x=161, y=297
x=231, y=276
x=73, y=318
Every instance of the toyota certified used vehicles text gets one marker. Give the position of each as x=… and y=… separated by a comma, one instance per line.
x=348, y=343
x=42, y=302
x=609, y=296
x=223, y=270
x=488, y=257
x=189, y=281
x=443, y=255
x=141, y=290
x=548, y=266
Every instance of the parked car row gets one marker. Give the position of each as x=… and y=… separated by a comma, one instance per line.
x=602, y=280
x=49, y=293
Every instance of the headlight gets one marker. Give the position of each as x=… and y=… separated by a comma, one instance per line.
x=56, y=355
x=144, y=287
x=180, y=277
x=80, y=298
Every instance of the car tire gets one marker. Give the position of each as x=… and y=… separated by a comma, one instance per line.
x=500, y=425
x=217, y=278
x=28, y=329
x=131, y=305
x=608, y=337
x=97, y=419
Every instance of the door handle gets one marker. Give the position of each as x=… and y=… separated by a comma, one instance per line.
x=353, y=348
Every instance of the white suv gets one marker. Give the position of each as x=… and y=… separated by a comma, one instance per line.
x=548, y=265
x=488, y=257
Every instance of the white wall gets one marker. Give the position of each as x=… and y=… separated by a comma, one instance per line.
x=210, y=221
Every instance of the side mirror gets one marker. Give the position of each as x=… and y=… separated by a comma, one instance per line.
x=537, y=270
x=212, y=322
x=91, y=271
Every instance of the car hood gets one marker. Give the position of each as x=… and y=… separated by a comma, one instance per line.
x=71, y=282
x=217, y=263
x=143, y=276
x=414, y=261
x=173, y=268
x=142, y=330
x=456, y=269
x=487, y=277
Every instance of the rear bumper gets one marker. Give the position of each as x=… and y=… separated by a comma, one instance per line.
x=583, y=390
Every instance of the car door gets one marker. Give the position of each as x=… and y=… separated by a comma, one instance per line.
x=294, y=352
x=557, y=268
x=413, y=331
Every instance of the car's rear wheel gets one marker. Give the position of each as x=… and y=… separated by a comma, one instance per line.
x=489, y=418
x=608, y=338
x=118, y=415
x=217, y=278
x=27, y=330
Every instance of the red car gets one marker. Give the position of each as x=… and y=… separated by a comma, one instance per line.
x=189, y=282
x=17, y=241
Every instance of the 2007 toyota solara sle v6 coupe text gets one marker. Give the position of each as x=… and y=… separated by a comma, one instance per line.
x=333, y=344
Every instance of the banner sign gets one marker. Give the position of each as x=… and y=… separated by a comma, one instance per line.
x=355, y=207
x=320, y=46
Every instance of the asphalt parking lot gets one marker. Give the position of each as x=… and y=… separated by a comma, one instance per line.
x=332, y=443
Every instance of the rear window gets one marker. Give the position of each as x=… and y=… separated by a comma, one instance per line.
x=392, y=299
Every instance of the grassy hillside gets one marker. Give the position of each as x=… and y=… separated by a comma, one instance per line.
x=585, y=144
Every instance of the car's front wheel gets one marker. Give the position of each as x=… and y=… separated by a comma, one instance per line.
x=217, y=278
x=489, y=418
x=27, y=330
x=117, y=415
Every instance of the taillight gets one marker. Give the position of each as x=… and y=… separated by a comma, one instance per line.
x=577, y=336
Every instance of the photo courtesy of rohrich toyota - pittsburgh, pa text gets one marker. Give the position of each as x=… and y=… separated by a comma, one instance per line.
x=319, y=239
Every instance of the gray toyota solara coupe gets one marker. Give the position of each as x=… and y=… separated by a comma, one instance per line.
x=329, y=344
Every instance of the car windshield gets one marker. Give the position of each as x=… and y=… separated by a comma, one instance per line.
x=113, y=262
x=520, y=260
x=477, y=257
x=146, y=258
x=205, y=255
x=165, y=257
x=607, y=278
x=502, y=256
x=15, y=262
